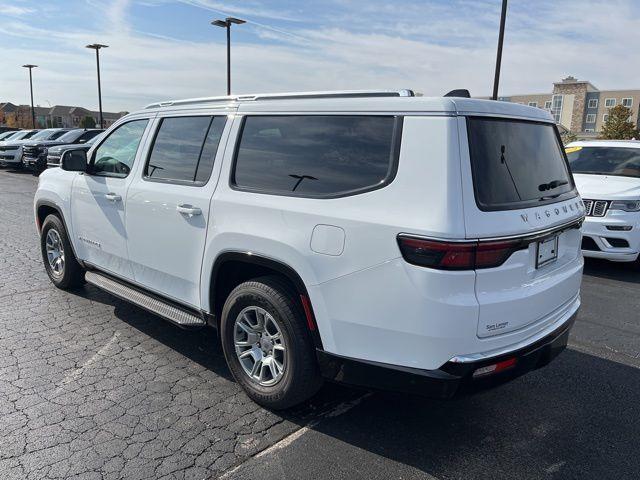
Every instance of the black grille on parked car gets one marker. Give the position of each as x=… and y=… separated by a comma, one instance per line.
x=31, y=151
x=595, y=208
x=589, y=243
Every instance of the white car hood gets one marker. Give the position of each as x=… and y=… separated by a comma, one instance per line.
x=604, y=187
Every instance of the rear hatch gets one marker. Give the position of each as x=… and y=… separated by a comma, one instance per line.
x=518, y=189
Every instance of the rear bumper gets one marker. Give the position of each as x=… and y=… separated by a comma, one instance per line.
x=450, y=379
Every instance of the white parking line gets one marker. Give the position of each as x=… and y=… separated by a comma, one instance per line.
x=336, y=411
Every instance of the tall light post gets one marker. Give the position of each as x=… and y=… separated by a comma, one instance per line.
x=97, y=47
x=33, y=112
x=496, y=79
x=226, y=23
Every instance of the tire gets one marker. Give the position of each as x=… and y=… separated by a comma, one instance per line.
x=275, y=300
x=68, y=274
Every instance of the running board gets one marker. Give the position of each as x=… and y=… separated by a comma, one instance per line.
x=154, y=305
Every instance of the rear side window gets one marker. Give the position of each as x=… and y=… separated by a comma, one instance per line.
x=316, y=155
x=184, y=149
x=516, y=164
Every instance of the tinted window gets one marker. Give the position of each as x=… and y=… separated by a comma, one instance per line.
x=315, y=155
x=115, y=156
x=516, y=164
x=605, y=160
x=185, y=148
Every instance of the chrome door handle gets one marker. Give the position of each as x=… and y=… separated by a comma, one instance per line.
x=112, y=197
x=188, y=210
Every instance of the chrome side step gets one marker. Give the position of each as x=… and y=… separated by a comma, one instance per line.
x=164, y=309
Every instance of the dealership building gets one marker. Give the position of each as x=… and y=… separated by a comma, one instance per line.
x=578, y=106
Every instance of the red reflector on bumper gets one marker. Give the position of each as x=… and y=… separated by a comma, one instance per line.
x=495, y=368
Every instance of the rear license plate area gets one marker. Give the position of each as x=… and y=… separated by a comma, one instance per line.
x=546, y=251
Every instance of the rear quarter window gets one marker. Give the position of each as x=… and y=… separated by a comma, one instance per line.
x=316, y=155
x=516, y=163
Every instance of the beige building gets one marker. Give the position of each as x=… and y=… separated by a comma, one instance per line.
x=579, y=106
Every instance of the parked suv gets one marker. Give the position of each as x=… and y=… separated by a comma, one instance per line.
x=607, y=173
x=11, y=148
x=35, y=152
x=374, y=238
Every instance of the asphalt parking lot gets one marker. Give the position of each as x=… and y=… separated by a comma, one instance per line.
x=92, y=387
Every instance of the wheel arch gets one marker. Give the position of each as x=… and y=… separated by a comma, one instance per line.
x=43, y=209
x=231, y=268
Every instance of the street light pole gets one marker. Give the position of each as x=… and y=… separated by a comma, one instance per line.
x=226, y=23
x=496, y=79
x=97, y=47
x=33, y=112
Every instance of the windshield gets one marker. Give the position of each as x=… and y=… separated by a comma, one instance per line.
x=618, y=161
x=516, y=163
x=71, y=136
x=42, y=134
x=8, y=135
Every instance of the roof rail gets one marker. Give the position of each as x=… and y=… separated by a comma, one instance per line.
x=287, y=96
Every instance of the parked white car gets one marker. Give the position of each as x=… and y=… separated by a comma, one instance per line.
x=375, y=238
x=607, y=174
x=11, y=148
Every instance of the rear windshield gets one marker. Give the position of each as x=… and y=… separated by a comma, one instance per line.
x=516, y=163
x=619, y=161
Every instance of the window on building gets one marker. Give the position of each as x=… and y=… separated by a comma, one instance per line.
x=593, y=103
x=591, y=118
x=589, y=130
x=316, y=155
x=533, y=104
x=556, y=107
x=627, y=102
x=184, y=149
x=547, y=104
x=605, y=117
x=610, y=102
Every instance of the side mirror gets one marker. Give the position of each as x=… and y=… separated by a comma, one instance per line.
x=74, y=161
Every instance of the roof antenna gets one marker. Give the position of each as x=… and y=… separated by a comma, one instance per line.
x=459, y=92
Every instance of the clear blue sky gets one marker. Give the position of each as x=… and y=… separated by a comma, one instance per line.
x=161, y=49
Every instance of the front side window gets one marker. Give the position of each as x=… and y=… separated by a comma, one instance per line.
x=593, y=103
x=184, y=149
x=591, y=118
x=610, y=102
x=115, y=156
x=516, y=163
x=627, y=102
x=533, y=104
x=605, y=161
x=316, y=155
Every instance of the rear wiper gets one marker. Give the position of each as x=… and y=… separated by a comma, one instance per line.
x=551, y=185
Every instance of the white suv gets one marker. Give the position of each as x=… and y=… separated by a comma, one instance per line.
x=374, y=238
x=607, y=173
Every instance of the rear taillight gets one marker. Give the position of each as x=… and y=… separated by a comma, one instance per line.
x=445, y=255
